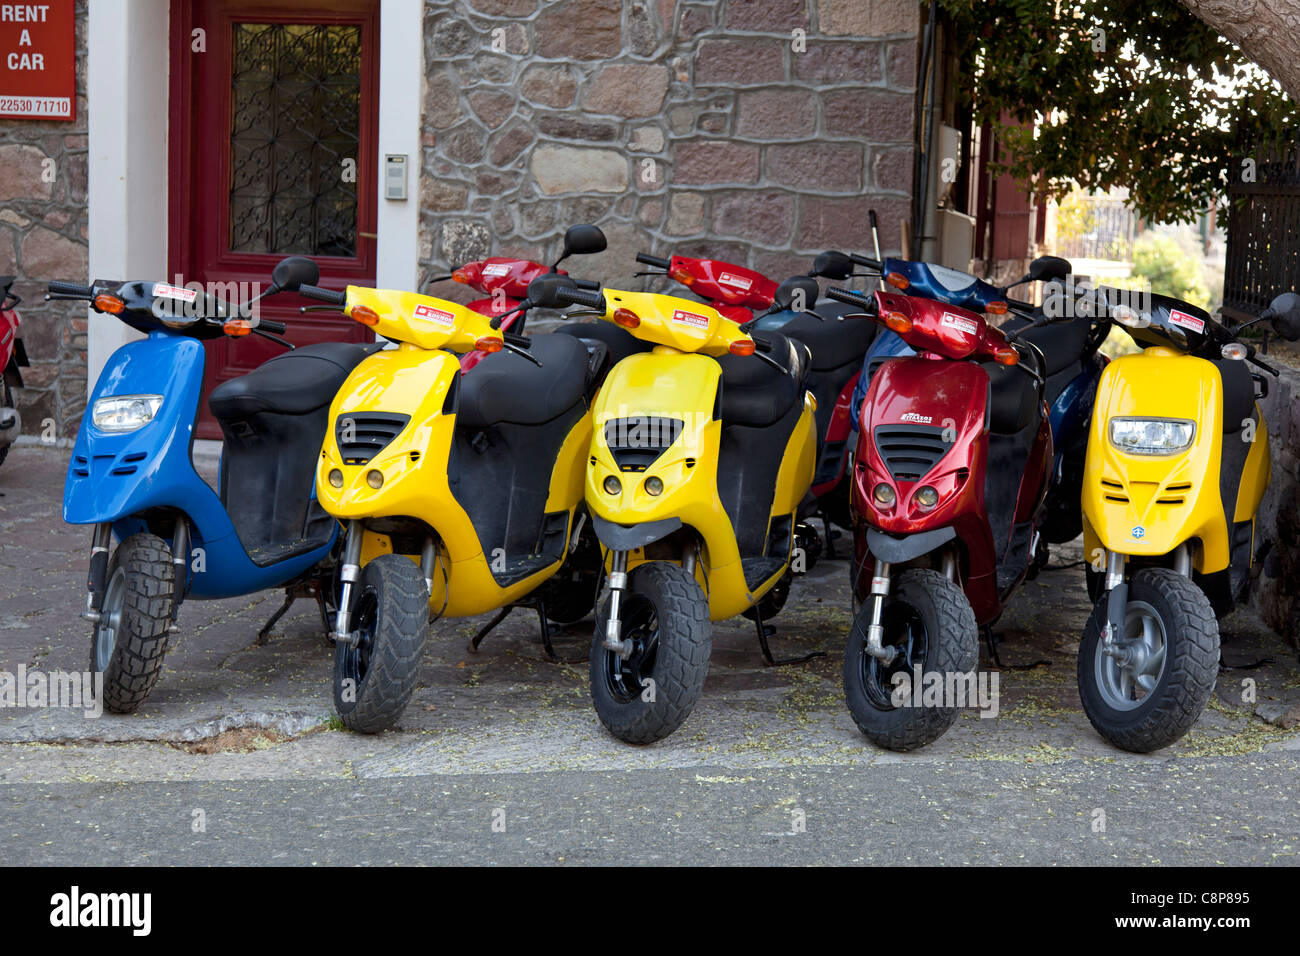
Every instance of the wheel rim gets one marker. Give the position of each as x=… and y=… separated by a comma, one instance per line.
x=905, y=629
x=356, y=657
x=1127, y=678
x=641, y=629
x=110, y=620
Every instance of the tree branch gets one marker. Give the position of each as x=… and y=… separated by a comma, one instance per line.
x=1267, y=31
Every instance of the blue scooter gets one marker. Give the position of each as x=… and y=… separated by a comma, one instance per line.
x=131, y=475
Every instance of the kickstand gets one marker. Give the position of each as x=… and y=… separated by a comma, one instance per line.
x=546, y=638
x=767, y=630
x=265, y=633
x=487, y=628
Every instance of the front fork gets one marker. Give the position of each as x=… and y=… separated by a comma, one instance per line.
x=617, y=583
x=97, y=577
x=349, y=573
x=1117, y=598
x=876, y=646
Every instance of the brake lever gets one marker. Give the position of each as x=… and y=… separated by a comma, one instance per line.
x=1264, y=365
x=637, y=275
x=318, y=308
x=524, y=352
x=274, y=338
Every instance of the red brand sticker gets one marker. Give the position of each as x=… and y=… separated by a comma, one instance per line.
x=161, y=291
x=960, y=323
x=740, y=282
x=1186, y=321
x=437, y=316
x=692, y=319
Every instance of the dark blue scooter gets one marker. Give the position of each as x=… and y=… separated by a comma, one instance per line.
x=131, y=475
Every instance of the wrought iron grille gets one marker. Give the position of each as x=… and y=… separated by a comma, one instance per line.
x=1263, y=255
x=295, y=138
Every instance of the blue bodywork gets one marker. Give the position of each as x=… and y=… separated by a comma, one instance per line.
x=117, y=477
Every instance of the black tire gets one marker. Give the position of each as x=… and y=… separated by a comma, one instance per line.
x=667, y=616
x=930, y=616
x=1164, y=712
x=6, y=401
x=129, y=643
x=772, y=603
x=391, y=616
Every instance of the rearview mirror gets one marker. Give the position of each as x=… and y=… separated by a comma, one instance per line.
x=798, y=293
x=583, y=240
x=833, y=265
x=1286, y=316
x=293, y=272
x=1049, y=268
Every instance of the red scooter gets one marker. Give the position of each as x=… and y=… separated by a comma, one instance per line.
x=12, y=357
x=952, y=468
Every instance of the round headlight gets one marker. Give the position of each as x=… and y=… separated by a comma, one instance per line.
x=375, y=478
x=654, y=486
x=336, y=478
x=883, y=494
x=612, y=485
x=926, y=496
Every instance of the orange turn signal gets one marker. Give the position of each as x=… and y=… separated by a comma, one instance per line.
x=996, y=308
x=488, y=343
x=365, y=315
x=682, y=275
x=742, y=347
x=461, y=276
x=236, y=327
x=1006, y=355
x=109, y=303
x=898, y=280
x=898, y=322
x=626, y=318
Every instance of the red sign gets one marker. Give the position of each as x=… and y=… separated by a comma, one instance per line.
x=38, y=64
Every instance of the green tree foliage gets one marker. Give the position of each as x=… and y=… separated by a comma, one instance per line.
x=1135, y=93
x=1170, y=270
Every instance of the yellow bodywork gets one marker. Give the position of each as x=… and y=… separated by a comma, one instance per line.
x=1146, y=505
x=671, y=382
x=414, y=379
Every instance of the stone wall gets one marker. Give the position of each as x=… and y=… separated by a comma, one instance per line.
x=1276, y=590
x=43, y=235
x=758, y=131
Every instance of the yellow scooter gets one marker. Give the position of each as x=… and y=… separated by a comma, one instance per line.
x=701, y=451
x=1176, y=466
x=459, y=494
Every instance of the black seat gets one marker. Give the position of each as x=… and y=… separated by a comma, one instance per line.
x=834, y=341
x=756, y=394
x=293, y=383
x=1013, y=398
x=508, y=388
x=621, y=342
x=1062, y=343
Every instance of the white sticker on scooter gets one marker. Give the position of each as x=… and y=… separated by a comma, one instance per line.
x=436, y=316
x=693, y=319
x=1139, y=532
x=740, y=282
x=173, y=292
x=915, y=418
x=1186, y=321
x=496, y=269
x=960, y=323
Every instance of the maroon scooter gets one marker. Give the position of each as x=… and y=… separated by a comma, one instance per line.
x=952, y=468
x=12, y=357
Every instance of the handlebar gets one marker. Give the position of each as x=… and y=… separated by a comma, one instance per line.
x=646, y=259
x=850, y=297
x=587, y=297
x=71, y=288
x=865, y=261
x=518, y=341
x=269, y=325
x=586, y=284
x=323, y=295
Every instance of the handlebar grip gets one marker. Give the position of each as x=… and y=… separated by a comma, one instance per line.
x=850, y=297
x=588, y=297
x=587, y=284
x=518, y=341
x=269, y=325
x=646, y=259
x=761, y=342
x=70, y=288
x=864, y=261
x=323, y=295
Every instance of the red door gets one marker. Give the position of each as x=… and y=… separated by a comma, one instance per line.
x=273, y=131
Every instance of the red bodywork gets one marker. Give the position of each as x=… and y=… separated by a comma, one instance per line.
x=505, y=282
x=838, y=429
x=8, y=336
x=938, y=388
x=733, y=290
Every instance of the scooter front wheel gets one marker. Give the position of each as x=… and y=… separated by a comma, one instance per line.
x=375, y=677
x=1157, y=677
x=647, y=695
x=130, y=639
x=929, y=621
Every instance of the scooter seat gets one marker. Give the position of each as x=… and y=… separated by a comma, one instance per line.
x=292, y=383
x=835, y=341
x=621, y=342
x=756, y=394
x=1062, y=343
x=506, y=388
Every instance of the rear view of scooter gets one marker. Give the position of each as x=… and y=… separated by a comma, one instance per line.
x=701, y=452
x=1177, y=463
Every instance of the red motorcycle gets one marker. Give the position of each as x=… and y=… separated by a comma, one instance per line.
x=837, y=347
x=12, y=357
x=952, y=468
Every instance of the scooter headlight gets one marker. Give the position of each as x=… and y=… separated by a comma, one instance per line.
x=125, y=413
x=1151, y=436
